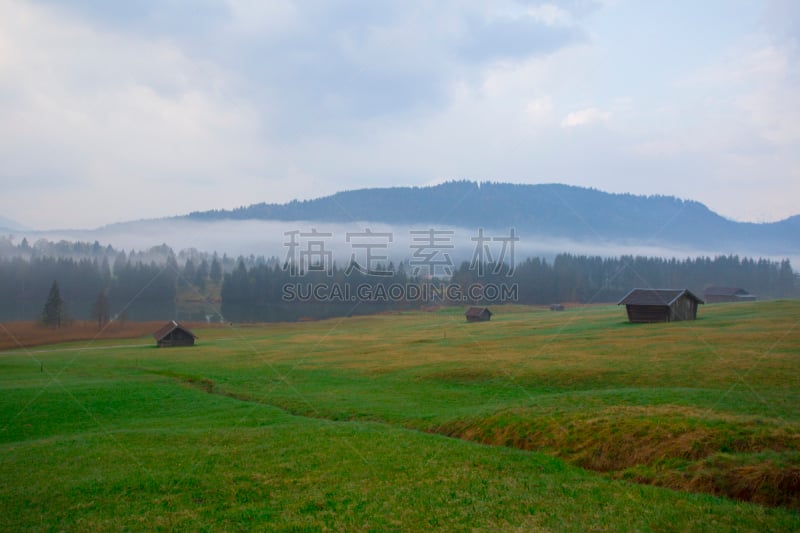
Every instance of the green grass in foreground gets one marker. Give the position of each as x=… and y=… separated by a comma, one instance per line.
x=216, y=437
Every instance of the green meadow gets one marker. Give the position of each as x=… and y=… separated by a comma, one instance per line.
x=537, y=420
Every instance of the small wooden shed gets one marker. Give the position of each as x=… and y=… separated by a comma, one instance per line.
x=660, y=305
x=173, y=334
x=727, y=294
x=478, y=314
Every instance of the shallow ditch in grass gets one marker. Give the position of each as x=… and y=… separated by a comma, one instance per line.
x=745, y=458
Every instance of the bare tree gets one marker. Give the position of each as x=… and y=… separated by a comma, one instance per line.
x=100, y=309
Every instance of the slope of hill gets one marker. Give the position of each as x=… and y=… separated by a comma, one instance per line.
x=10, y=225
x=551, y=210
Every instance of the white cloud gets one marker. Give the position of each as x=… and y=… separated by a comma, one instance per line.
x=148, y=111
x=539, y=109
x=731, y=132
x=130, y=127
x=550, y=14
x=124, y=103
x=772, y=101
x=270, y=19
x=584, y=117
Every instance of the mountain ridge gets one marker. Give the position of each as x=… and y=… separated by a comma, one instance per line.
x=553, y=210
x=7, y=224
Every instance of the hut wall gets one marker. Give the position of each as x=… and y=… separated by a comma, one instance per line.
x=648, y=313
x=684, y=309
x=177, y=338
x=483, y=317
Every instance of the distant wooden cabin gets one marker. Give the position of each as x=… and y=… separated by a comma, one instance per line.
x=478, y=314
x=727, y=294
x=173, y=334
x=660, y=305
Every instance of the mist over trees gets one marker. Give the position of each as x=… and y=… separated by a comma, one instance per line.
x=100, y=283
x=94, y=281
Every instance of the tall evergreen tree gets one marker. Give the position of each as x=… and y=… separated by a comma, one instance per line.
x=201, y=275
x=189, y=272
x=215, y=272
x=53, y=312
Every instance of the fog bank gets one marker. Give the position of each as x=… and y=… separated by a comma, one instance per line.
x=383, y=242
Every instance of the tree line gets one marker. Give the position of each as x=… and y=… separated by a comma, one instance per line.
x=135, y=291
x=88, y=281
x=589, y=279
x=259, y=293
x=100, y=283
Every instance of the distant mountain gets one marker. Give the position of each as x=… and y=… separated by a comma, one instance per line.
x=549, y=210
x=11, y=225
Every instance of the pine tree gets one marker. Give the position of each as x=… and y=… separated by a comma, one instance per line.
x=215, y=272
x=785, y=280
x=53, y=312
x=201, y=275
x=189, y=272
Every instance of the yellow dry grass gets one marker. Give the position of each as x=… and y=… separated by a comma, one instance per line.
x=538, y=344
x=26, y=334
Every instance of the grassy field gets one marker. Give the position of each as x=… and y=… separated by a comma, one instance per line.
x=570, y=421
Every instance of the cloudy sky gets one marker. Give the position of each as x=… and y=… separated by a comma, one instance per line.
x=113, y=111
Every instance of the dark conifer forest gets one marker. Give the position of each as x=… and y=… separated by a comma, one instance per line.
x=100, y=283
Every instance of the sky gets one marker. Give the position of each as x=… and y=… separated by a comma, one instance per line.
x=117, y=111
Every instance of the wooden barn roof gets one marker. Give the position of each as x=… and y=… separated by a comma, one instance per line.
x=725, y=291
x=656, y=296
x=168, y=328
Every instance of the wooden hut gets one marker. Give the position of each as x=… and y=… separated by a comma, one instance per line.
x=660, y=305
x=173, y=334
x=727, y=294
x=478, y=314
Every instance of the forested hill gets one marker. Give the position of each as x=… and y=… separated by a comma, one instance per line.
x=550, y=210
